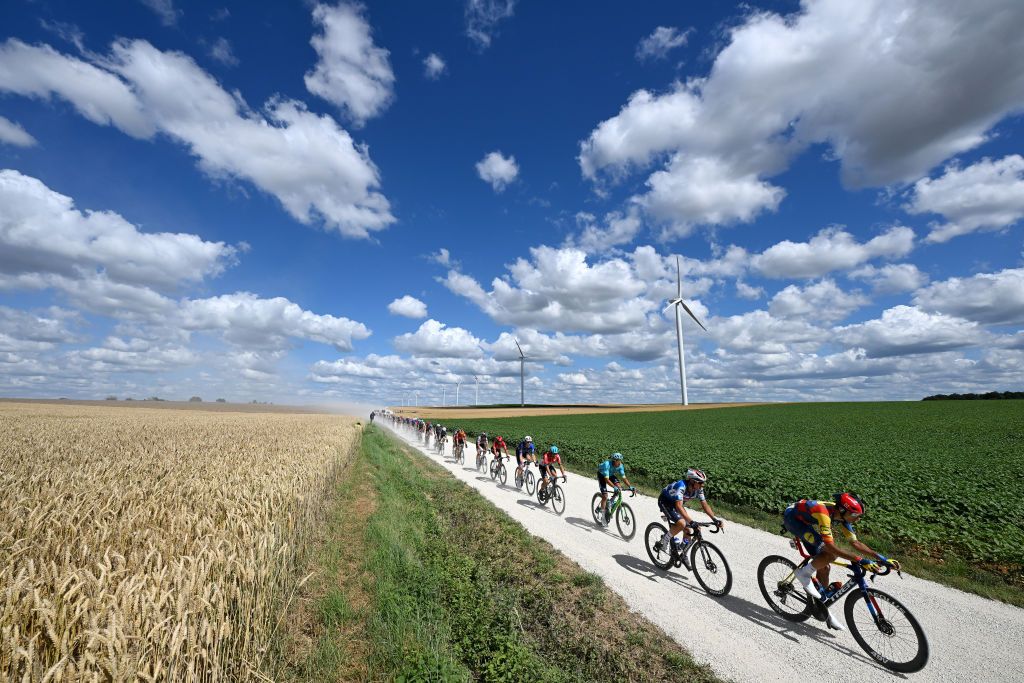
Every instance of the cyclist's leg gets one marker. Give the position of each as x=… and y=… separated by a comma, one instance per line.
x=602, y=485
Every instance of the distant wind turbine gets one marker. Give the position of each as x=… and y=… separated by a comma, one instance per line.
x=522, y=375
x=677, y=303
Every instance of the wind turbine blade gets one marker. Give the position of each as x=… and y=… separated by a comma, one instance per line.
x=672, y=303
x=687, y=309
x=520, y=348
x=679, y=281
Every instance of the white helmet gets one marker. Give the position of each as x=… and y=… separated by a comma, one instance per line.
x=693, y=474
x=528, y=439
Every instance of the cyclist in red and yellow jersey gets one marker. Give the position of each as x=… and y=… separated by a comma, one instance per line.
x=811, y=522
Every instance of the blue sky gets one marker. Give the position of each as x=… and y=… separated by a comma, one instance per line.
x=306, y=202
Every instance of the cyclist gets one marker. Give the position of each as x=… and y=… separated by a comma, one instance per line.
x=481, y=443
x=460, y=439
x=498, y=446
x=442, y=438
x=811, y=522
x=609, y=472
x=524, y=453
x=547, y=466
x=672, y=503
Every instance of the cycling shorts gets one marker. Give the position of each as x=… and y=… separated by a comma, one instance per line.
x=807, y=533
x=604, y=483
x=522, y=458
x=668, y=507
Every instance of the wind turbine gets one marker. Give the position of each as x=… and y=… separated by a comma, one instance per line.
x=477, y=378
x=677, y=303
x=457, y=385
x=522, y=375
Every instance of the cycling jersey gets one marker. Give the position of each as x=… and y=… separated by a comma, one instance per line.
x=524, y=448
x=677, y=491
x=551, y=458
x=606, y=469
x=499, y=444
x=815, y=517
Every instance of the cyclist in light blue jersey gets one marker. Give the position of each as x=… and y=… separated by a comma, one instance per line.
x=671, y=503
x=609, y=473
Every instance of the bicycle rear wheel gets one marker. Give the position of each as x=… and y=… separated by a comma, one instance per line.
x=711, y=568
x=494, y=468
x=519, y=479
x=661, y=557
x=557, y=499
x=597, y=510
x=775, y=577
x=626, y=522
x=895, y=640
x=530, y=481
x=502, y=473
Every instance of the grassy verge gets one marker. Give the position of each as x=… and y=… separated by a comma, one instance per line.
x=327, y=637
x=458, y=591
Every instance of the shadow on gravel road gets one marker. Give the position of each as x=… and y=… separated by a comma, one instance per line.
x=534, y=505
x=757, y=614
x=588, y=525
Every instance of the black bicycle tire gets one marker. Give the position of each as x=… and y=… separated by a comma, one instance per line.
x=629, y=515
x=920, y=659
x=788, y=616
x=697, y=567
x=558, y=494
x=660, y=530
x=531, y=481
x=502, y=474
x=519, y=478
x=595, y=509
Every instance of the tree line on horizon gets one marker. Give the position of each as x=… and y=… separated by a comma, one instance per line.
x=990, y=396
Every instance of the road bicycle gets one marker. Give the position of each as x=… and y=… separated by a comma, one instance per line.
x=481, y=460
x=880, y=624
x=525, y=476
x=707, y=562
x=460, y=452
x=621, y=511
x=440, y=445
x=554, y=493
x=498, y=468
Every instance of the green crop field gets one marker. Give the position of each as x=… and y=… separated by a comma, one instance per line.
x=940, y=476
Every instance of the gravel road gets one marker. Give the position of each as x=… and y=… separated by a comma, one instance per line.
x=971, y=638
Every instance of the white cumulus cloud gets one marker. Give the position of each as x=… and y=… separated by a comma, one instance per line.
x=662, y=40
x=433, y=66
x=988, y=298
x=13, y=134
x=409, y=307
x=483, y=17
x=988, y=195
x=831, y=249
x=498, y=170
x=352, y=73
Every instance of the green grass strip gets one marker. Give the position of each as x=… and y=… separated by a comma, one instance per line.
x=462, y=592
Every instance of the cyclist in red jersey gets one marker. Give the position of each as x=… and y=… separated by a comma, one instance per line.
x=498, y=446
x=811, y=522
x=547, y=466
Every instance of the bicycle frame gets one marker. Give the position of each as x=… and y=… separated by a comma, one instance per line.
x=858, y=578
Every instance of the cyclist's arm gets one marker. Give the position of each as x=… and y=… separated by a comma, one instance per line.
x=707, y=510
x=561, y=467
x=626, y=479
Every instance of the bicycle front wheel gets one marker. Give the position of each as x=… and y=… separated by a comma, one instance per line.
x=531, y=482
x=494, y=469
x=502, y=474
x=557, y=499
x=626, y=522
x=711, y=568
x=597, y=510
x=893, y=638
x=661, y=555
x=775, y=576
x=519, y=479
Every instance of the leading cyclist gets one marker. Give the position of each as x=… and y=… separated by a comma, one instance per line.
x=811, y=522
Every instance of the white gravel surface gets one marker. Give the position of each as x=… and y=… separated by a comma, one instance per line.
x=971, y=638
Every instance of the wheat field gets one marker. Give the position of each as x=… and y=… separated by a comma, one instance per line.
x=144, y=544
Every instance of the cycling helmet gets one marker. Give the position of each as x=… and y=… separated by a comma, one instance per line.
x=554, y=450
x=617, y=456
x=528, y=439
x=850, y=503
x=693, y=474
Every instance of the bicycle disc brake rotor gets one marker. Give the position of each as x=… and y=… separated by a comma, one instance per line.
x=885, y=627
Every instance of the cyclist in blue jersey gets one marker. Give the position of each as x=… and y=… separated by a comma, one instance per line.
x=672, y=503
x=524, y=453
x=610, y=473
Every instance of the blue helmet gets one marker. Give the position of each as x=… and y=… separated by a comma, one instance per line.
x=554, y=450
x=617, y=456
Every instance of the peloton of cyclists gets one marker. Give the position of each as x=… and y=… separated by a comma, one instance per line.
x=610, y=473
x=672, y=503
x=811, y=522
x=547, y=466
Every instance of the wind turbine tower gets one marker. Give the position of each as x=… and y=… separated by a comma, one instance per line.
x=522, y=375
x=678, y=303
